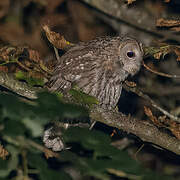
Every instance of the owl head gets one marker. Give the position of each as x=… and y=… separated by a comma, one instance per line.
x=130, y=55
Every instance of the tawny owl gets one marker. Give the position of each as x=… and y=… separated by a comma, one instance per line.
x=98, y=67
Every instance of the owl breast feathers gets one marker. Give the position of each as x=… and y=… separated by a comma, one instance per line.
x=98, y=68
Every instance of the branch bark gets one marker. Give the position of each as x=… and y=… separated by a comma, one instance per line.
x=147, y=132
x=9, y=82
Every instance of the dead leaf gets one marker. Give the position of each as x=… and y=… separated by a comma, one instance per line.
x=130, y=1
x=153, y=118
x=4, y=69
x=175, y=128
x=177, y=51
x=167, y=23
x=3, y=153
x=113, y=133
x=49, y=154
x=56, y=39
x=130, y=83
x=162, y=50
x=34, y=55
x=158, y=55
x=177, y=29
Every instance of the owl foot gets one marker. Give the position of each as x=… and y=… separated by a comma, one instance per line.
x=52, y=139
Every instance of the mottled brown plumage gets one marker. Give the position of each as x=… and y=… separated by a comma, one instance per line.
x=98, y=67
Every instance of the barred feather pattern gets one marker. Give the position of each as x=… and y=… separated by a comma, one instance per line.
x=98, y=67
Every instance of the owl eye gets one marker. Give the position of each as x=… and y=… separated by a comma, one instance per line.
x=130, y=54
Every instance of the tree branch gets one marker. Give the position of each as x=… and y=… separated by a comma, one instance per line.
x=154, y=104
x=137, y=17
x=147, y=132
x=9, y=82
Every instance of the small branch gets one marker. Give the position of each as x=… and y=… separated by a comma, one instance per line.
x=57, y=54
x=20, y=141
x=24, y=162
x=146, y=97
x=8, y=81
x=160, y=73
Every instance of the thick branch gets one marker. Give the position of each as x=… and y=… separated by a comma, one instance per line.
x=147, y=132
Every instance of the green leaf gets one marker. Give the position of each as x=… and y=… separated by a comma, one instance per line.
x=36, y=161
x=89, y=139
x=57, y=109
x=13, y=128
x=83, y=98
x=48, y=174
x=45, y=173
x=104, y=155
x=32, y=81
x=12, y=107
x=152, y=175
x=35, y=127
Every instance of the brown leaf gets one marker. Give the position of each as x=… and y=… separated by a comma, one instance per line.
x=6, y=53
x=167, y=23
x=177, y=51
x=162, y=50
x=3, y=152
x=34, y=55
x=130, y=83
x=4, y=69
x=158, y=55
x=175, y=129
x=167, y=1
x=130, y=1
x=49, y=154
x=113, y=133
x=56, y=39
x=177, y=29
x=153, y=118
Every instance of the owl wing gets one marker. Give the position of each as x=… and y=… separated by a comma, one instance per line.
x=76, y=66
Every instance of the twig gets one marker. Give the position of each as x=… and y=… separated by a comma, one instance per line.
x=146, y=97
x=160, y=73
x=57, y=54
x=20, y=141
x=25, y=163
